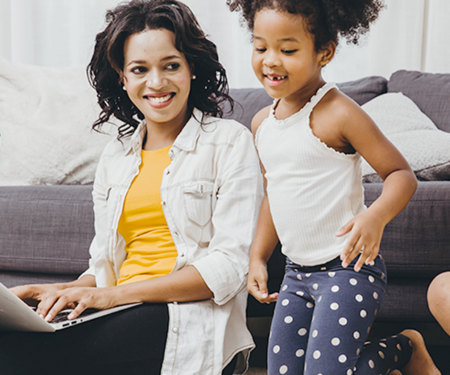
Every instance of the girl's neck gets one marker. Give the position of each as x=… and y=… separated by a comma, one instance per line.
x=291, y=104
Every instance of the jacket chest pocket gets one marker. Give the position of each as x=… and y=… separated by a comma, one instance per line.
x=197, y=199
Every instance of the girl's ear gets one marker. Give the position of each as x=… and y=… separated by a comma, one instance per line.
x=327, y=53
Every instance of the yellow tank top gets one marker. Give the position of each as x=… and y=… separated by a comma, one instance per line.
x=148, y=242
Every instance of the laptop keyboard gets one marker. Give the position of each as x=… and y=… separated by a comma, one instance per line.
x=62, y=315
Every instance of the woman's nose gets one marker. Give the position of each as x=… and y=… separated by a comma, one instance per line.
x=155, y=80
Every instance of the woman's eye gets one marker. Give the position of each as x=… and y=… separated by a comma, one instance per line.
x=138, y=70
x=260, y=50
x=289, y=51
x=173, y=66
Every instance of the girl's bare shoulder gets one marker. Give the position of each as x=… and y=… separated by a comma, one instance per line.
x=259, y=118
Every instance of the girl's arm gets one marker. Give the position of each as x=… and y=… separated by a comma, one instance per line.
x=265, y=239
x=366, y=229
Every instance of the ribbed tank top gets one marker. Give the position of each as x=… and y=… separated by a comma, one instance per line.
x=313, y=190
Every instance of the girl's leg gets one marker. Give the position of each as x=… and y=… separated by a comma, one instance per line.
x=346, y=303
x=439, y=299
x=290, y=326
x=127, y=342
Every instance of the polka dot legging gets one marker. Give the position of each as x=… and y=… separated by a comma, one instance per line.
x=323, y=317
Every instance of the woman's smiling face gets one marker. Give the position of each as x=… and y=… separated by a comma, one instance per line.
x=157, y=77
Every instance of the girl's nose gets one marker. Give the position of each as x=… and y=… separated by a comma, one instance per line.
x=271, y=60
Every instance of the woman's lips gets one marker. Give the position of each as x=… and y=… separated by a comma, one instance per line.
x=160, y=100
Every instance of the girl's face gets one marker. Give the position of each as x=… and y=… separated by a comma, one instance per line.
x=284, y=57
x=157, y=77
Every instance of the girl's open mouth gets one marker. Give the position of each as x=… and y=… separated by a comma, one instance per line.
x=274, y=80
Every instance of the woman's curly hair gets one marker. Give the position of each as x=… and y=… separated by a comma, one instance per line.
x=208, y=91
x=327, y=19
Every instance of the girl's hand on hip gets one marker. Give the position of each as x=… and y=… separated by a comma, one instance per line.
x=365, y=231
x=257, y=283
x=78, y=298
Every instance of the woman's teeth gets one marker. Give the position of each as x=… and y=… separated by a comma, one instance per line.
x=159, y=99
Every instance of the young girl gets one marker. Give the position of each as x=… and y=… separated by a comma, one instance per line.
x=310, y=142
x=176, y=199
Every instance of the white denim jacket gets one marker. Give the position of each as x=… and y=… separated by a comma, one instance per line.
x=210, y=193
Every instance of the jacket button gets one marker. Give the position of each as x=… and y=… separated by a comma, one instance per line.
x=175, y=330
x=168, y=172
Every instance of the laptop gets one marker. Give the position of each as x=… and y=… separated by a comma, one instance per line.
x=16, y=315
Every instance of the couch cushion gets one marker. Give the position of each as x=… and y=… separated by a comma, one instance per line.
x=46, y=229
x=416, y=242
x=424, y=146
x=250, y=101
x=431, y=93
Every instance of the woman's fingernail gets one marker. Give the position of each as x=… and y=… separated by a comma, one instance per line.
x=42, y=316
x=71, y=316
x=48, y=318
x=264, y=295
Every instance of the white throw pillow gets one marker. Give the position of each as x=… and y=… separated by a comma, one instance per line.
x=424, y=146
x=46, y=116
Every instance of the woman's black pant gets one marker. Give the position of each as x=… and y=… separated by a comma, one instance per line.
x=127, y=342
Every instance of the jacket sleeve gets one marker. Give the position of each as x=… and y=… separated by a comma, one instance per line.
x=239, y=196
x=99, y=195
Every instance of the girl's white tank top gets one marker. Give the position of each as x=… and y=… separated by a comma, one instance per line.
x=313, y=190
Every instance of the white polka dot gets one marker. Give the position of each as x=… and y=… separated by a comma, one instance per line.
x=331, y=274
x=276, y=349
x=315, y=333
x=323, y=268
x=343, y=321
x=320, y=299
x=285, y=302
x=316, y=286
x=375, y=295
x=299, y=353
x=349, y=372
x=335, y=341
x=307, y=274
x=316, y=354
x=372, y=263
x=381, y=354
x=383, y=345
x=300, y=293
x=288, y=319
x=334, y=306
x=342, y=358
x=371, y=278
x=309, y=305
x=383, y=275
x=356, y=335
x=358, y=351
x=299, y=277
x=399, y=347
x=371, y=364
x=314, y=318
x=359, y=297
x=283, y=369
x=302, y=331
x=313, y=297
x=335, y=289
x=296, y=270
x=363, y=313
x=395, y=358
x=284, y=287
x=353, y=281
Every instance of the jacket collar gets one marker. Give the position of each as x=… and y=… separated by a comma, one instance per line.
x=186, y=140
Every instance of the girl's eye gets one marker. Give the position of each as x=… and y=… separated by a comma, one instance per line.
x=289, y=51
x=173, y=66
x=260, y=50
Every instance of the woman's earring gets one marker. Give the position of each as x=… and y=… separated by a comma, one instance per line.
x=124, y=88
x=194, y=76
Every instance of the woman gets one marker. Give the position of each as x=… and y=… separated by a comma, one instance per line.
x=176, y=198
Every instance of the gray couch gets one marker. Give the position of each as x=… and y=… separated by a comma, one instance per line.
x=45, y=231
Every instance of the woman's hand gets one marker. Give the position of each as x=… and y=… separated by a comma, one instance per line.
x=33, y=294
x=257, y=283
x=77, y=298
x=365, y=231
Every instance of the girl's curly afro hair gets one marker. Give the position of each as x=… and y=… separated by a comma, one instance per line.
x=327, y=19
